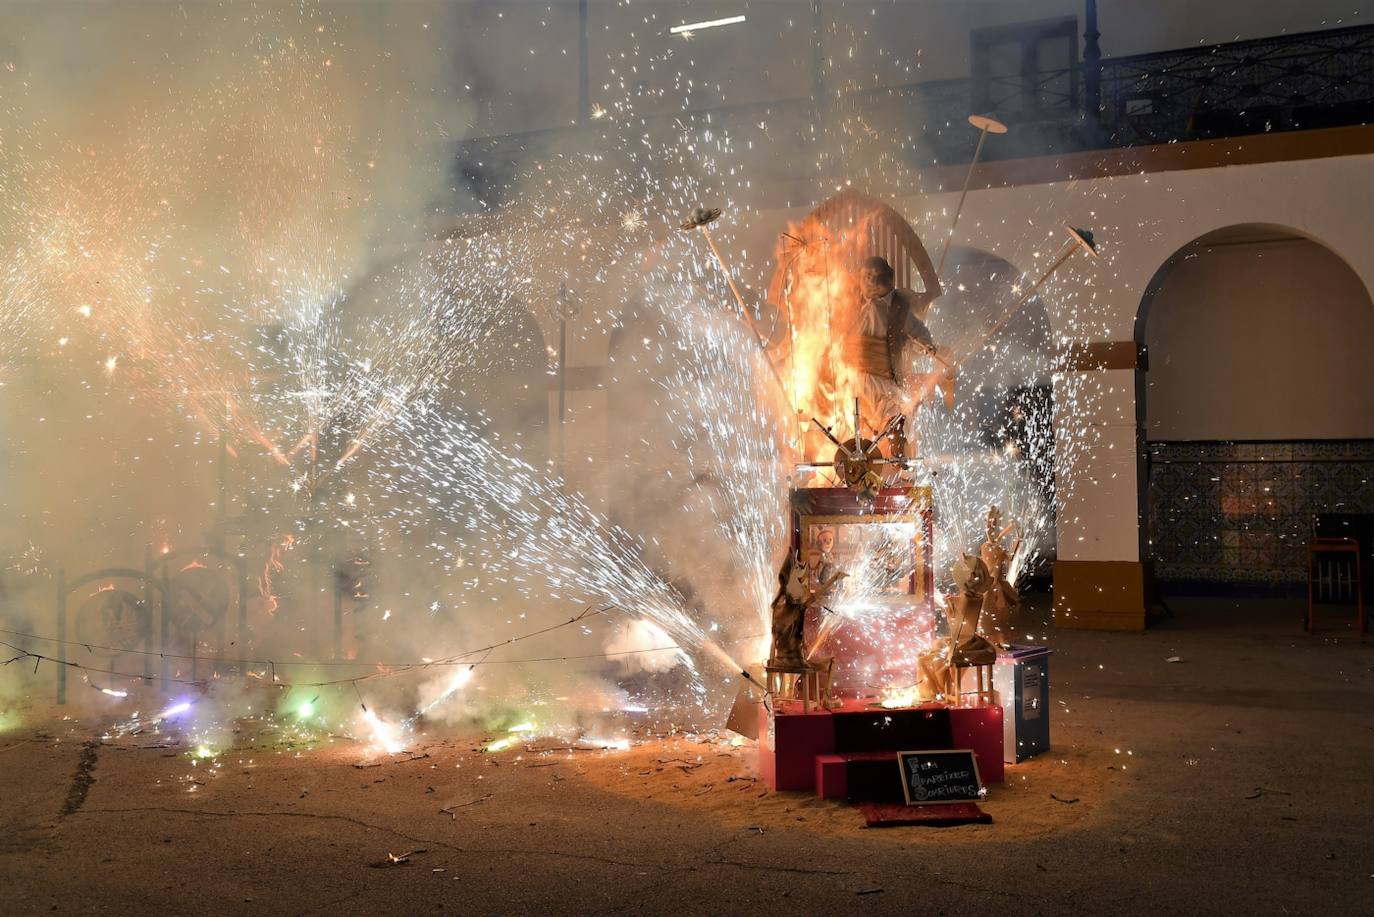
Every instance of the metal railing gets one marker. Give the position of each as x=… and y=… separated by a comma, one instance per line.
x=1286, y=82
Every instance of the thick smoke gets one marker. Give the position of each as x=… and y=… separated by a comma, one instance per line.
x=235, y=320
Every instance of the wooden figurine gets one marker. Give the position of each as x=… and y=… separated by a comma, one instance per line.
x=1001, y=598
x=796, y=593
x=966, y=647
x=789, y=615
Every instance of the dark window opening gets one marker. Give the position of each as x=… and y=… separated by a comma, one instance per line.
x=1027, y=69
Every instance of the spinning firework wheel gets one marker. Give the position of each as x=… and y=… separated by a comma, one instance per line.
x=854, y=461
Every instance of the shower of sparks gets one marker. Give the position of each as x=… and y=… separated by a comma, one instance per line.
x=385, y=417
x=731, y=439
x=384, y=735
x=527, y=522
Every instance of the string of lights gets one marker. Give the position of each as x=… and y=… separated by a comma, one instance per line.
x=40, y=658
x=394, y=669
x=457, y=659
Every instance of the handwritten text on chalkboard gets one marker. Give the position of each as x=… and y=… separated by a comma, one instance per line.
x=940, y=776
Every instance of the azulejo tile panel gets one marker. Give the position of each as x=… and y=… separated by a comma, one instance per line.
x=1241, y=512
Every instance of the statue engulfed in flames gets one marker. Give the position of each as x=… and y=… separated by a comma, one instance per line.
x=853, y=330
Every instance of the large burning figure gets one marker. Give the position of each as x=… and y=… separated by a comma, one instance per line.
x=877, y=343
x=853, y=287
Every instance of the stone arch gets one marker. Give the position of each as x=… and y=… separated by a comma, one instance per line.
x=1253, y=413
x=1309, y=267
x=1020, y=357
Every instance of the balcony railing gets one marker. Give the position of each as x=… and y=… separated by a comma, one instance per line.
x=1288, y=82
x=1282, y=83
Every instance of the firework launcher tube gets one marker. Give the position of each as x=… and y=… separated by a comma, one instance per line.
x=752, y=680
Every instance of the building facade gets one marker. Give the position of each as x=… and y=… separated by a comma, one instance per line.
x=1224, y=331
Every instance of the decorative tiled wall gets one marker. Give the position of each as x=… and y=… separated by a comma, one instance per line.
x=1241, y=512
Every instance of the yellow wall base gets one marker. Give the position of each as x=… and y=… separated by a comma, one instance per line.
x=1099, y=595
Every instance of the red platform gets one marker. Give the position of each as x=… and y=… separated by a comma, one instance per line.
x=851, y=752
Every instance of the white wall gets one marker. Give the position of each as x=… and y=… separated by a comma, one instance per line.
x=1259, y=340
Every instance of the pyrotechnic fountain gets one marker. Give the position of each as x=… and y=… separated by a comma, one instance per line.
x=366, y=523
x=854, y=619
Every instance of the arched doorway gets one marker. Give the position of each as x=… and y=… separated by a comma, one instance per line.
x=1255, y=413
x=1019, y=357
x=1005, y=402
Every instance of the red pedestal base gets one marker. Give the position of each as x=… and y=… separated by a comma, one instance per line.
x=851, y=752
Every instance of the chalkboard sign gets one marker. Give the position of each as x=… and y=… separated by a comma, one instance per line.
x=940, y=776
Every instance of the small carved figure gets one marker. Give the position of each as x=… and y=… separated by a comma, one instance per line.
x=796, y=593
x=966, y=646
x=1002, y=598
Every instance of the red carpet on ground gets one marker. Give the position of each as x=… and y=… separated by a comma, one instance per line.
x=887, y=815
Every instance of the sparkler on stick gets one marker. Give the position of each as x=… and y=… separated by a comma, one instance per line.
x=699, y=220
x=985, y=125
x=1079, y=240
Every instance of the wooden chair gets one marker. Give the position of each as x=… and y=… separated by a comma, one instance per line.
x=804, y=683
x=887, y=234
x=964, y=616
x=983, y=692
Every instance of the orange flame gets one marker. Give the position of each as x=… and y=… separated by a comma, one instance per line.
x=817, y=288
x=280, y=545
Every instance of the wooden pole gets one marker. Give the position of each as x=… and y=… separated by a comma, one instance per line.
x=968, y=178
x=562, y=380
x=744, y=310
x=584, y=95
x=338, y=620
x=242, y=568
x=986, y=125
x=1092, y=70
x=165, y=625
x=148, y=607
